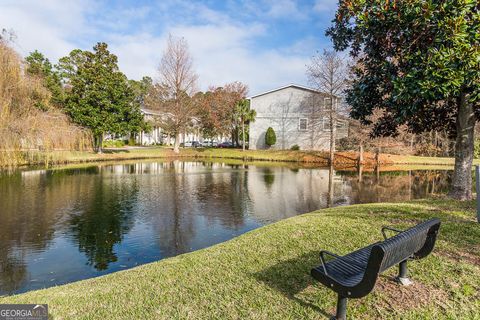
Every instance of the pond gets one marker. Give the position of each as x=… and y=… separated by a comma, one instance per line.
x=63, y=225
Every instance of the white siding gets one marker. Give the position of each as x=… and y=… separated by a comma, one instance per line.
x=282, y=110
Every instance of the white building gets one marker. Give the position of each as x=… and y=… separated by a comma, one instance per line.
x=157, y=136
x=298, y=115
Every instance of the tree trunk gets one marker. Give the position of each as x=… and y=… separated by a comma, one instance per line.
x=330, y=187
x=236, y=137
x=411, y=142
x=333, y=132
x=243, y=135
x=462, y=176
x=99, y=141
x=360, y=155
x=176, y=145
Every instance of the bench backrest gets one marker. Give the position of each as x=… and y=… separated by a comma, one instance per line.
x=416, y=242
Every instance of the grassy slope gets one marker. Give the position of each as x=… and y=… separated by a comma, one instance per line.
x=343, y=158
x=264, y=274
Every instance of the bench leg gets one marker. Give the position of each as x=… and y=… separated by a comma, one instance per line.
x=341, y=308
x=402, y=274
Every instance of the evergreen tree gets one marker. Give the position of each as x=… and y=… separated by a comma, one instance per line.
x=245, y=115
x=270, y=137
x=38, y=65
x=419, y=63
x=99, y=95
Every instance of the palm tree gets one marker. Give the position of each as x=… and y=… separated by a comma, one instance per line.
x=245, y=115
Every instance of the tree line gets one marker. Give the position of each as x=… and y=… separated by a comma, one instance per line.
x=91, y=90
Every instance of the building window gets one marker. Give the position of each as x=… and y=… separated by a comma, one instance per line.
x=327, y=102
x=326, y=124
x=303, y=124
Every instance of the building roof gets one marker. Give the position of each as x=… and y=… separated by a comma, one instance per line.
x=287, y=86
x=152, y=112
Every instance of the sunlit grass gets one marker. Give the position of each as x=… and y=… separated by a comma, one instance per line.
x=264, y=274
x=344, y=159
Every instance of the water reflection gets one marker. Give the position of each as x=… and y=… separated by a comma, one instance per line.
x=64, y=225
x=100, y=222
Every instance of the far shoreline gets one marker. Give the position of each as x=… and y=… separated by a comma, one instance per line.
x=343, y=160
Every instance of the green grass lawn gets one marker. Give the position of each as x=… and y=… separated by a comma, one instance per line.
x=264, y=274
x=204, y=153
x=308, y=157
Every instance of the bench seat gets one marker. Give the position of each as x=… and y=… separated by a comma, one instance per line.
x=354, y=275
x=346, y=271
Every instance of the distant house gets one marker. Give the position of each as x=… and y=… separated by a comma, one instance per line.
x=298, y=115
x=158, y=136
x=155, y=136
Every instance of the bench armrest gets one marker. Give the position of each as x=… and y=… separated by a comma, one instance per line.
x=322, y=258
x=391, y=229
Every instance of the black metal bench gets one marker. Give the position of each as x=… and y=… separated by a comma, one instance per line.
x=354, y=275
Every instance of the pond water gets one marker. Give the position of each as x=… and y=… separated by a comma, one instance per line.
x=63, y=225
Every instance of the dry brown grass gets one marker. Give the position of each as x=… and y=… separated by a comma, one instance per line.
x=23, y=126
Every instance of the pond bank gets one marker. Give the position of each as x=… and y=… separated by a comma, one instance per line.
x=264, y=274
x=343, y=159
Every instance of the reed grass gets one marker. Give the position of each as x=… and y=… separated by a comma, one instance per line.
x=26, y=129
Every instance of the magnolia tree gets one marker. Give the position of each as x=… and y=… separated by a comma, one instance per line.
x=99, y=96
x=419, y=63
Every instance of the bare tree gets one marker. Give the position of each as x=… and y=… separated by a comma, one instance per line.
x=313, y=104
x=179, y=80
x=328, y=72
x=283, y=119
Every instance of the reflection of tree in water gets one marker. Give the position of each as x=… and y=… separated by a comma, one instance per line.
x=331, y=191
x=27, y=221
x=225, y=196
x=309, y=188
x=13, y=273
x=395, y=185
x=430, y=182
x=268, y=177
x=173, y=220
x=108, y=216
x=31, y=204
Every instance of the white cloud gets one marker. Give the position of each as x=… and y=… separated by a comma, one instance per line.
x=226, y=53
x=327, y=6
x=221, y=54
x=285, y=9
x=224, y=50
x=45, y=25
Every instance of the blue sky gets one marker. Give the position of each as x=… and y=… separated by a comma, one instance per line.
x=264, y=43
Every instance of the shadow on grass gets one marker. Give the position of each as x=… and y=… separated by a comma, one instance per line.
x=290, y=277
x=114, y=150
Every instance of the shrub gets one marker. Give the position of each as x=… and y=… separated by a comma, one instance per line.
x=476, y=149
x=113, y=143
x=131, y=142
x=427, y=149
x=295, y=147
x=270, y=137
